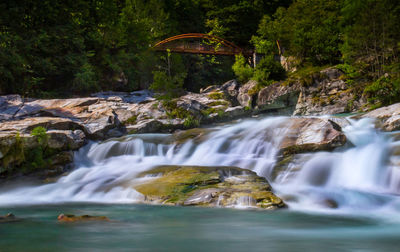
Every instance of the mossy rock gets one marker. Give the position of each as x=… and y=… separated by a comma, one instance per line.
x=221, y=186
x=198, y=135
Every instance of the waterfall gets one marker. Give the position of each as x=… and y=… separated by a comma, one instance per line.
x=360, y=176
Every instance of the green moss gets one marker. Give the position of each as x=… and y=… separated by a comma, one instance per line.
x=173, y=111
x=212, y=110
x=305, y=75
x=218, y=103
x=195, y=134
x=177, y=182
x=14, y=154
x=216, y=95
x=131, y=120
x=191, y=122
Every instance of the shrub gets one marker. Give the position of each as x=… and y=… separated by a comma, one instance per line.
x=41, y=135
x=242, y=70
x=168, y=86
x=384, y=91
x=269, y=70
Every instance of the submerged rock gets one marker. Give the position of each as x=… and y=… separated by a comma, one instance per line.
x=73, y=218
x=8, y=218
x=206, y=186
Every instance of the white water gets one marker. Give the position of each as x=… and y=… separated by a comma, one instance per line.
x=357, y=178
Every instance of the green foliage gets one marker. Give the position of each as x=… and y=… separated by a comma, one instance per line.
x=36, y=156
x=370, y=34
x=386, y=89
x=308, y=30
x=351, y=73
x=191, y=122
x=268, y=69
x=41, y=135
x=168, y=86
x=85, y=80
x=242, y=69
x=305, y=75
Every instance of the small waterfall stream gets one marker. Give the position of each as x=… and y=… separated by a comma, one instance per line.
x=359, y=177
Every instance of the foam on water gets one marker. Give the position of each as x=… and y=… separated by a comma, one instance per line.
x=360, y=177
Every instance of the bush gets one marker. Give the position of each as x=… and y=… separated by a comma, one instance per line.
x=242, y=70
x=85, y=80
x=191, y=122
x=384, y=91
x=268, y=69
x=168, y=86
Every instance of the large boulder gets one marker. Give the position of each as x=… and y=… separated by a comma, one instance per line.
x=327, y=93
x=279, y=96
x=311, y=134
x=387, y=118
x=206, y=186
x=247, y=94
x=48, y=150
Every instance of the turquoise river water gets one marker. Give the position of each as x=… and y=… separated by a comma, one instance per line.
x=345, y=200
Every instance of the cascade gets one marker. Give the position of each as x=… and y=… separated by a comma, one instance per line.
x=359, y=176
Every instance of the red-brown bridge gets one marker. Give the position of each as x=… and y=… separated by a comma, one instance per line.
x=200, y=43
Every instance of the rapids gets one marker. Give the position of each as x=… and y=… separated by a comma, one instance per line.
x=359, y=178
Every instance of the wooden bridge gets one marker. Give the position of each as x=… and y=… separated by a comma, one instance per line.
x=200, y=43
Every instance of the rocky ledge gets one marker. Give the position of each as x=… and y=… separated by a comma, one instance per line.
x=69, y=123
x=386, y=118
x=37, y=135
x=206, y=186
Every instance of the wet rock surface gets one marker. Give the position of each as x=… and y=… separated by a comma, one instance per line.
x=81, y=218
x=387, y=118
x=206, y=186
x=8, y=218
x=311, y=134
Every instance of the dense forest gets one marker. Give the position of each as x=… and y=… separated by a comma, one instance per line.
x=66, y=48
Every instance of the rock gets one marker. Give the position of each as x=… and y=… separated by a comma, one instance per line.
x=387, y=118
x=289, y=63
x=145, y=126
x=231, y=91
x=47, y=155
x=197, y=135
x=278, y=96
x=206, y=186
x=327, y=94
x=66, y=139
x=8, y=218
x=9, y=106
x=245, y=97
x=73, y=218
x=67, y=108
x=332, y=73
x=311, y=134
x=49, y=123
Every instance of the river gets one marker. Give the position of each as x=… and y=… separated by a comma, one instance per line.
x=345, y=200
